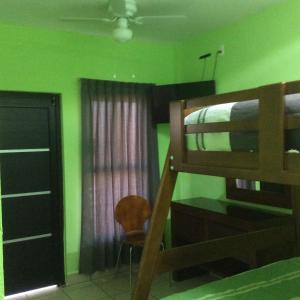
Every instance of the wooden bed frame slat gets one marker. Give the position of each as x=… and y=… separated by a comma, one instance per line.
x=292, y=87
x=292, y=162
x=284, y=177
x=178, y=147
x=280, y=199
x=271, y=132
x=245, y=160
x=292, y=122
x=245, y=95
x=203, y=252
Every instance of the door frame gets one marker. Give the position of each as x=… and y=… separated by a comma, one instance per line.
x=59, y=226
x=54, y=127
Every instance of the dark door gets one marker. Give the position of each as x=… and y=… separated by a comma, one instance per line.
x=31, y=187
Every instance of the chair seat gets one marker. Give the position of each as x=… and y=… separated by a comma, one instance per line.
x=135, y=238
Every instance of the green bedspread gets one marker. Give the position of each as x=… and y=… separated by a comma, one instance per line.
x=278, y=281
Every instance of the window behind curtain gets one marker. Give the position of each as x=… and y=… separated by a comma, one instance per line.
x=119, y=159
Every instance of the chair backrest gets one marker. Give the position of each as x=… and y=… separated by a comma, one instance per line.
x=132, y=212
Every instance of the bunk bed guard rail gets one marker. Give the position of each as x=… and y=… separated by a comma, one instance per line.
x=270, y=163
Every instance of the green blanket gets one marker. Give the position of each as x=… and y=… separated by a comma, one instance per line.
x=277, y=281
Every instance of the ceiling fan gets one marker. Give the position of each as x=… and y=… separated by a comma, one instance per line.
x=124, y=13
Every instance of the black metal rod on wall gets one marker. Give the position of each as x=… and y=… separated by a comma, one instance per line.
x=204, y=56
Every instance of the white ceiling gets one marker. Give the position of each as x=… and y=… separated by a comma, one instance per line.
x=203, y=15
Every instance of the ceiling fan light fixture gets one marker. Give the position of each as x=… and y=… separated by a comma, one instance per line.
x=122, y=34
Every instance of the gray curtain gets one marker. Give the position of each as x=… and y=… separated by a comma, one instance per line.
x=119, y=158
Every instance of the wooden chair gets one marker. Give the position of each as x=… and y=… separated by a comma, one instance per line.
x=132, y=212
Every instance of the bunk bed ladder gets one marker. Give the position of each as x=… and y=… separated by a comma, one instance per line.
x=148, y=264
x=176, y=154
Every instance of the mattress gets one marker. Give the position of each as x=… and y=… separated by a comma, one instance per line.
x=237, y=141
x=277, y=281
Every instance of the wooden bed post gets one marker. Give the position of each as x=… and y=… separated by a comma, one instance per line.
x=147, y=268
x=295, y=194
x=271, y=134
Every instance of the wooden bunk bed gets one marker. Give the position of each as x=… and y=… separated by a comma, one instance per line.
x=271, y=163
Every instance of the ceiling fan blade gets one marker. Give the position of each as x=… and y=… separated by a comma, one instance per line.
x=140, y=19
x=84, y=19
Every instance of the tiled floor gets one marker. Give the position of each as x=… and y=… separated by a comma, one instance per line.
x=109, y=286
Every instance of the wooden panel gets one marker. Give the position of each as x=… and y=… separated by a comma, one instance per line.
x=24, y=262
x=177, y=137
x=186, y=228
x=164, y=94
x=216, y=230
x=292, y=87
x=260, y=197
x=292, y=162
x=271, y=124
x=189, y=255
x=190, y=90
x=244, y=160
x=292, y=122
x=26, y=223
x=223, y=126
x=24, y=99
x=21, y=172
x=245, y=95
x=24, y=127
x=283, y=177
x=217, y=220
x=220, y=171
x=295, y=191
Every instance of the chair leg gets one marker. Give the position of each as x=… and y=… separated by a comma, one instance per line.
x=130, y=266
x=119, y=256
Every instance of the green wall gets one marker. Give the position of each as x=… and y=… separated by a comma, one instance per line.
x=261, y=49
x=48, y=61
